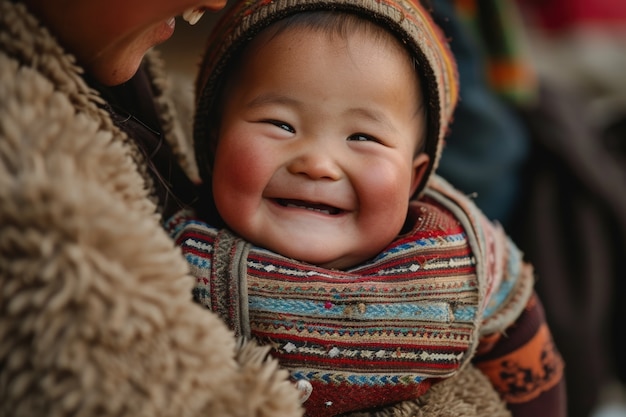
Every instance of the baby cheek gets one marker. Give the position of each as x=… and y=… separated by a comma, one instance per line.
x=234, y=196
x=234, y=162
x=385, y=185
x=239, y=168
x=384, y=195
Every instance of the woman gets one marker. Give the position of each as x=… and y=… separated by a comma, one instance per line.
x=96, y=316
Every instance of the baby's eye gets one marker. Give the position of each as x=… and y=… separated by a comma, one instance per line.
x=282, y=125
x=362, y=137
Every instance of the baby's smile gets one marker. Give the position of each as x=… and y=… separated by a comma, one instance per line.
x=308, y=205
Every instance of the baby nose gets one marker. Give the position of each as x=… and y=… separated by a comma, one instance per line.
x=315, y=164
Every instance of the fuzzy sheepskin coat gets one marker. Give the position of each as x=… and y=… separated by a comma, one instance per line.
x=96, y=311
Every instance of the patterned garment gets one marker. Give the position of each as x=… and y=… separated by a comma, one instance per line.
x=379, y=333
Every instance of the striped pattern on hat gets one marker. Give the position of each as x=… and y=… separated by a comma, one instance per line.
x=408, y=20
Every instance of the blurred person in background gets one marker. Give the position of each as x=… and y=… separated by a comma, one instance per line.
x=579, y=47
x=539, y=141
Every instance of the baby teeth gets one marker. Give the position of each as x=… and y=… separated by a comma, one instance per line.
x=308, y=208
x=192, y=16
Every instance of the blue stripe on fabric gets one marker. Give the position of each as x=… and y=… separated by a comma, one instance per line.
x=198, y=261
x=427, y=311
x=425, y=242
x=465, y=313
x=506, y=286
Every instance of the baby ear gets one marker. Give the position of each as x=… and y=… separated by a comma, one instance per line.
x=420, y=164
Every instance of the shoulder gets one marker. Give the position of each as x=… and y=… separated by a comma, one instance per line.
x=505, y=280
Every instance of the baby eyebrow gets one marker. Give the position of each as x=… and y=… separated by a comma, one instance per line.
x=373, y=115
x=272, y=98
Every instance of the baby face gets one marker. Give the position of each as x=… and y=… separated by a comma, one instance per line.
x=316, y=156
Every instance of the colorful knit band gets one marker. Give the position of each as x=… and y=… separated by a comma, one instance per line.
x=407, y=20
x=379, y=333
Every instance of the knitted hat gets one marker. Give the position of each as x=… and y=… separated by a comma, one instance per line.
x=406, y=19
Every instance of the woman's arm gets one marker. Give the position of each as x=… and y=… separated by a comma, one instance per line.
x=525, y=366
x=96, y=311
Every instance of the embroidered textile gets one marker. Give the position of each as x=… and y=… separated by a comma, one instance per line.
x=382, y=331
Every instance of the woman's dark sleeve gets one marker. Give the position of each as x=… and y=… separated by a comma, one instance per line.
x=525, y=365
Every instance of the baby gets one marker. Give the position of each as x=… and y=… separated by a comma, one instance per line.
x=318, y=128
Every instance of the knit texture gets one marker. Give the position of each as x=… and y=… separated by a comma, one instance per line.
x=406, y=19
x=377, y=334
x=467, y=394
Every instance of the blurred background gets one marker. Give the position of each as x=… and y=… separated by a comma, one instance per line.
x=539, y=141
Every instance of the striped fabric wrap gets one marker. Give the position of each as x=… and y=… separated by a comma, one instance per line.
x=381, y=332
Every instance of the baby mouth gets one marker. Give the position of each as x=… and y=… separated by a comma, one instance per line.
x=306, y=205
